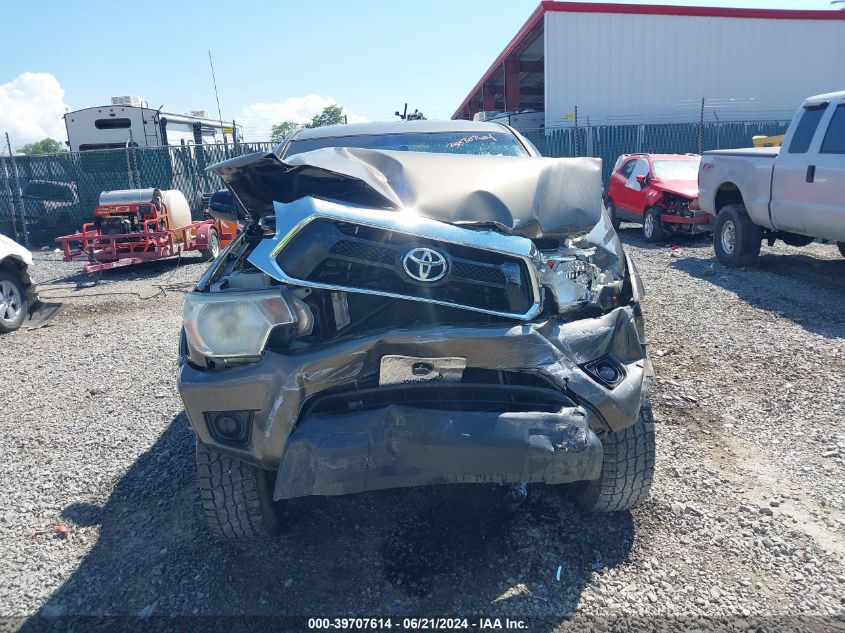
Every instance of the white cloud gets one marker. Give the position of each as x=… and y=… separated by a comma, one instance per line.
x=31, y=108
x=259, y=118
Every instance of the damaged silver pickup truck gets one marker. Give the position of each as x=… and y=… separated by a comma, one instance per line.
x=414, y=304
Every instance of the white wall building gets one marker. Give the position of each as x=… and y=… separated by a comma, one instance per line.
x=622, y=63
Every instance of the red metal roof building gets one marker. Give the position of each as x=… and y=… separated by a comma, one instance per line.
x=630, y=63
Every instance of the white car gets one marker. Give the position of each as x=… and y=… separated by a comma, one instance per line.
x=17, y=292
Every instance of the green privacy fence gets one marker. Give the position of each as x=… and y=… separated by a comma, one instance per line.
x=608, y=142
x=42, y=197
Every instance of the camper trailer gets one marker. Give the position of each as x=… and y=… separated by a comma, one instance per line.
x=129, y=122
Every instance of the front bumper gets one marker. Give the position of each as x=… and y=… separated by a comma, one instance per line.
x=699, y=222
x=276, y=389
x=400, y=446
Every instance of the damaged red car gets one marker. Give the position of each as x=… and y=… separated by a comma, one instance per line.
x=659, y=192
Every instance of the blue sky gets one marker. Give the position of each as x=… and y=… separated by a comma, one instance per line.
x=273, y=60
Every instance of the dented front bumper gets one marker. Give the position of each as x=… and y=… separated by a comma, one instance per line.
x=395, y=445
x=400, y=446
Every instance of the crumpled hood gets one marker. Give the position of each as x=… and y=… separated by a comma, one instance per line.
x=686, y=188
x=529, y=197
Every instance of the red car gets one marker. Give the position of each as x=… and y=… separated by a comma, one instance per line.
x=658, y=191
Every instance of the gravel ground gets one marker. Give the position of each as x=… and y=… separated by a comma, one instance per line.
x=746, y=518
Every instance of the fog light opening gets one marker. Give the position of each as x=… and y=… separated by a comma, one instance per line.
x=606, y=371
x=229, y=427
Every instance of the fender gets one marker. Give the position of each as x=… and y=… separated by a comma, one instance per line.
x=201, y=237
x=652, y=196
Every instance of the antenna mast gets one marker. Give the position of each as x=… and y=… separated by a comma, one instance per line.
x=216, y=96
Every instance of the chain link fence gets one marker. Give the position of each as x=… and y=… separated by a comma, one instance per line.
x=42, y=197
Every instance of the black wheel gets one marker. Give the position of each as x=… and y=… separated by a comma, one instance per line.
x=841, y=246
x=627, y=468
x=237, y=497
x=736, y=239
x=13, y=302
x=611, y=212
x=653, y=230
x=213, y=249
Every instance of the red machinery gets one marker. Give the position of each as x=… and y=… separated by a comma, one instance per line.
x=136, y=225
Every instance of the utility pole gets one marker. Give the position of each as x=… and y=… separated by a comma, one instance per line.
x=701, y=128
x=17, y=193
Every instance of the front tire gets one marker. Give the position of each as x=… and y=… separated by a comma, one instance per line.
x=736, y=239
x=237, y=497
x=627, y=468
x=13, y=302
x=611, y=212
x=653, y=230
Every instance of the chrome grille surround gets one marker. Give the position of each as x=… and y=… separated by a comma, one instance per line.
x=293, y=217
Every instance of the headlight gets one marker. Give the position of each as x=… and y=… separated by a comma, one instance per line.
x=235, y=324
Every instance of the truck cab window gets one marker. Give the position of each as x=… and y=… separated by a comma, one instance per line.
x=806, y=129
x=834, y=138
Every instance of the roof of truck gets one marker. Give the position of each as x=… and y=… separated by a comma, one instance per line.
x=756, y=152
x=829, y=96
x=397, y=127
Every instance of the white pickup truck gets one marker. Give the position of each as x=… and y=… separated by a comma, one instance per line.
x=795, y=193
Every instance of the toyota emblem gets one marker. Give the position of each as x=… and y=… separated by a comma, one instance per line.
x=425, y=264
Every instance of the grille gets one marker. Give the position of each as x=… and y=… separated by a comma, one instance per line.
x=364, y=252
x=370, y=259
x=481, y=274
x=444, y=397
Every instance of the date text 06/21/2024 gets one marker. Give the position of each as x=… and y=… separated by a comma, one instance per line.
x=415, y=624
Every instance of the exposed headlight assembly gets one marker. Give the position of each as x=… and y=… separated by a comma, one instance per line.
x=233, y=325
x=574, y=280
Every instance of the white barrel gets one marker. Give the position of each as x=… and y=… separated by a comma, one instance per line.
x=177, y=205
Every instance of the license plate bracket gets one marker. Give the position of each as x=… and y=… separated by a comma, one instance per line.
x=396, y=370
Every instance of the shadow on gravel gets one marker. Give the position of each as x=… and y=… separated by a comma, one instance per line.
x=807, y=290
x=154, y=268
x=149, y=270
x=426, y=551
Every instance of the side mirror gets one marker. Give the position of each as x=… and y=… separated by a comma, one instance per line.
x=642, y=179
x=222, y=206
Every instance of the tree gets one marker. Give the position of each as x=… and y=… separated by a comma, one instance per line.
x=45, y=146
x=281, y=130
x=331, y=115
